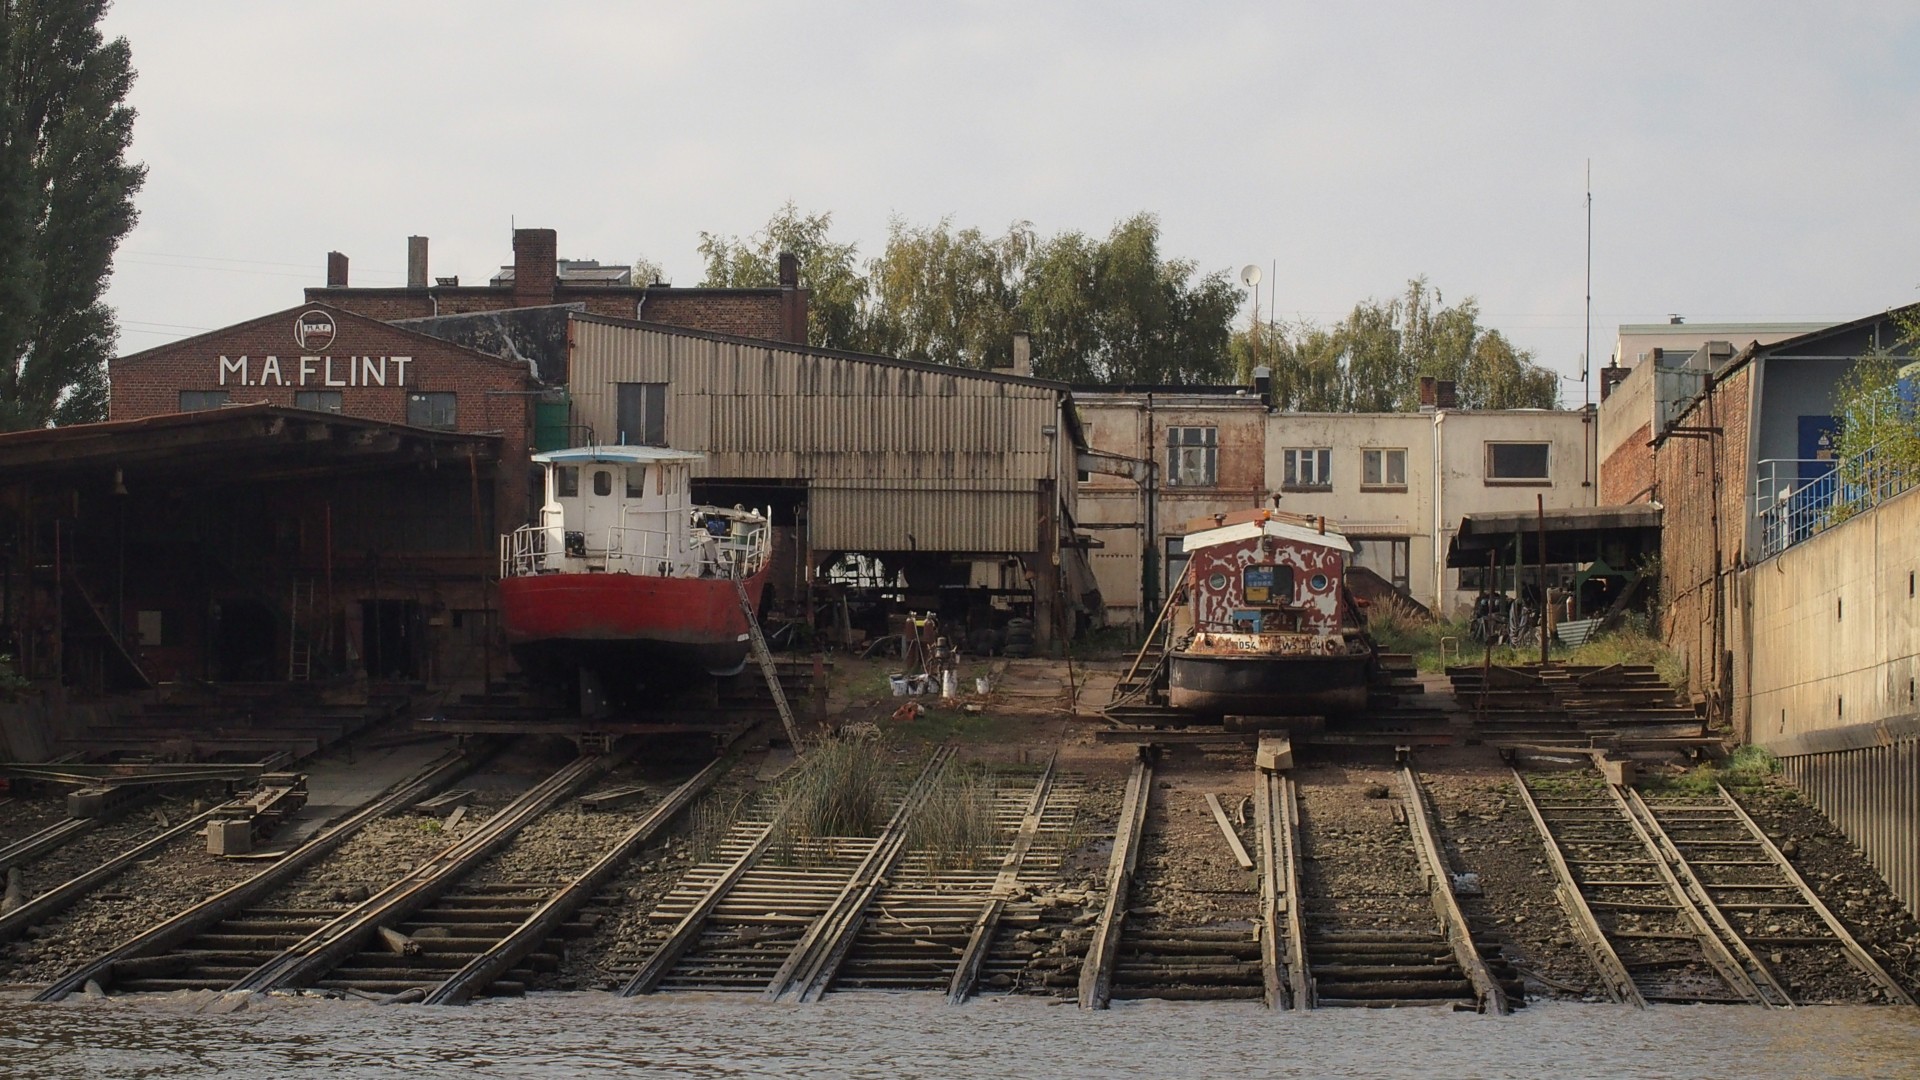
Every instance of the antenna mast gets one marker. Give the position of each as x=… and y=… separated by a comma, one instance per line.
x=1586, y=357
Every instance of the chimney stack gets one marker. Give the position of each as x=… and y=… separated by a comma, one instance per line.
x=416, y=262
x=1444, y=396
x=336, y=270
x=535, y=265
x=793, y=300
x=1427, y=393
x=1022, y=353
x=1263, y=384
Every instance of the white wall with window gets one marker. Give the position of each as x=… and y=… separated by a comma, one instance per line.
x=1383, y=467
x=1193, y=456
x=1307, y=467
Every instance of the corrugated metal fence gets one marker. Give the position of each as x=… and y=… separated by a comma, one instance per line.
x=1873, y=794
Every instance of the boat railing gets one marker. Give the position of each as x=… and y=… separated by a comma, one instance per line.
x=624, y=549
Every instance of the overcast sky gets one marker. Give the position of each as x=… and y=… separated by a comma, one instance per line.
x=1751, y=161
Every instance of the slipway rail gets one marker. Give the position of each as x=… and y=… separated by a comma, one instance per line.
x=1096, y=974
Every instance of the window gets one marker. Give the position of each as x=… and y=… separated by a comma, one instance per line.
x=603, y=481
x=636, y=481
x=1308, y=467
x=1517, y=462
x=566, y=481
x=1383, y=469
x=1176, y=562
x=317, y=400
x=197, y=400
x=430, y=409
x=642, y=408
x=1388, y=556
x=1193, y=456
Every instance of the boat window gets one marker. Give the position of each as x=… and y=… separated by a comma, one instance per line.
x=602, y=482
x=566, y=481
x=636, y=481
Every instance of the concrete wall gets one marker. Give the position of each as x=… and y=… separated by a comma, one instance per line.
x=1366, y=512
x=1836, y=626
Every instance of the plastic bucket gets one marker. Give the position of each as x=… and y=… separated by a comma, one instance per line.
x=899, y=684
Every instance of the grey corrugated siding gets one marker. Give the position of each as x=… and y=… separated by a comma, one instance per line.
x=1873, y=795
x=897, y=458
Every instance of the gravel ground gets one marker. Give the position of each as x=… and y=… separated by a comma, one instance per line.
x=21, y=817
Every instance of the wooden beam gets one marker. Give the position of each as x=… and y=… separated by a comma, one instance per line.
x=1226, y=829
x=1096, y=974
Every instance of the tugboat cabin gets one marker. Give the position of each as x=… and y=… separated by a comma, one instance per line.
x=630, y=510
x=1275, y=577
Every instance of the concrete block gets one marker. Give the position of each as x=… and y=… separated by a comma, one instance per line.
x=1273, y=754
x=1618, y=773
x=229, y=836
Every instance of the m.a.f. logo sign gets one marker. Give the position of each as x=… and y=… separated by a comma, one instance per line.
x=313, y=330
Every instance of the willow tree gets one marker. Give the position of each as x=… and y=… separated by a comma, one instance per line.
x=66, y=201
x=828, y=268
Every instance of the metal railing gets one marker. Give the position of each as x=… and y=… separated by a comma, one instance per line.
x=695, y=552
x=1791, y=509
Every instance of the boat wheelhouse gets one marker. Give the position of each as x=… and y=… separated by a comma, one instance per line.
x=623, y=582
x=1268, y=628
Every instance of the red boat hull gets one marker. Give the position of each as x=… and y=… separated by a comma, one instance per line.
x=660, y=620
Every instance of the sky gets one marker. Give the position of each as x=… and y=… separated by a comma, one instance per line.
x=1749, y=161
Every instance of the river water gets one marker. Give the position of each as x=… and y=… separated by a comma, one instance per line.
x=899, y=1036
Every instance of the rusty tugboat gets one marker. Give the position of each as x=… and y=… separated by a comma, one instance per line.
x=1271, y=630
x=624, y=586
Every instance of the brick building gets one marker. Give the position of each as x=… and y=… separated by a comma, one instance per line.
x=538, y=278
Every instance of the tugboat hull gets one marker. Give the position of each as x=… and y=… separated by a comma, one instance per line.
x=1214, y=685
x=663, y=622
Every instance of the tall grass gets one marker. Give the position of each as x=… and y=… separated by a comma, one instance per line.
x=959, y=824
x=1397, y=627
x=1746, y=768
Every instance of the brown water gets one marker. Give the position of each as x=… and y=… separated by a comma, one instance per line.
x=887, y=1036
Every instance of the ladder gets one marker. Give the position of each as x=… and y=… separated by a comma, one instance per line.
x=299, y=641
x=765, y=656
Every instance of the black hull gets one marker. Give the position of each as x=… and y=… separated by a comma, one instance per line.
x=1269, y=685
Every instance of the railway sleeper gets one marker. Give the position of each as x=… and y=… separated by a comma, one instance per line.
x=1331, y=991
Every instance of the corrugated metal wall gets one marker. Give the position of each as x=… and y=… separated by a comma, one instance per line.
x=1873, y=795
x=897, y=458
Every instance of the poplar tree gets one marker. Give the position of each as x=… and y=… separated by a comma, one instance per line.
x=66, y=201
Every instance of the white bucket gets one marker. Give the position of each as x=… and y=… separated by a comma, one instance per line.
x=981, y=685
x=899, y=684
x=949, y=685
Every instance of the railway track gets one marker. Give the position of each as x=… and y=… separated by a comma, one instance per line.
x=1684, y=899
x=145, y=955
x=1373, y=902
x=1641, y=927
x=780, y=927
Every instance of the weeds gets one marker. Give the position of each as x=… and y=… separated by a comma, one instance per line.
x=712, y=819
x=959, y=824
x=1748, y=767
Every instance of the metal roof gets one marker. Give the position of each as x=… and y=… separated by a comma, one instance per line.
x=616, y=455
x=1279, y=530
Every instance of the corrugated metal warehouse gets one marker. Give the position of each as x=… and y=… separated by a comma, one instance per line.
x=938, y=471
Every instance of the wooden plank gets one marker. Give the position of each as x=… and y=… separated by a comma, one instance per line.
x=1287, y=828
x=1606, y=962
x=1265, y=807
x=1227, y=830
x=1096, y=974
x=1426, y=841
x=980, y=938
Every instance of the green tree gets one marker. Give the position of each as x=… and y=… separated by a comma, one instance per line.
x=836, y=311
x=66, y=200
x=1372, y=360
x=1113, y=311
x=948, y=297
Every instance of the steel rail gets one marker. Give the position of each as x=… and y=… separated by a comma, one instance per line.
x=1096, y=973
x=209, y=912
x=810, y=967
x=62, y=896
x=1305, y=993
x=330, y=945
x=53, y=836
x=496, y=961
x=1729, y=936
x=1426, y=840
x=980, y=938
x=1717, y=953
x=1855, y=952
x=1266, y=805
x=1606, y=962
x=688, y=929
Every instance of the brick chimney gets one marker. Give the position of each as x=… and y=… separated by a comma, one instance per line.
x=336, y=270
x=1444, y=395
x=1427, y=392
x=416, y=262
x=793, y=300
x=535, y=264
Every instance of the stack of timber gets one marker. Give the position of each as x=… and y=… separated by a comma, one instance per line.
x=1625, y=706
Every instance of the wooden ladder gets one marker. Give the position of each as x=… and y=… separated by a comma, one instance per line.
x=765, y=656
